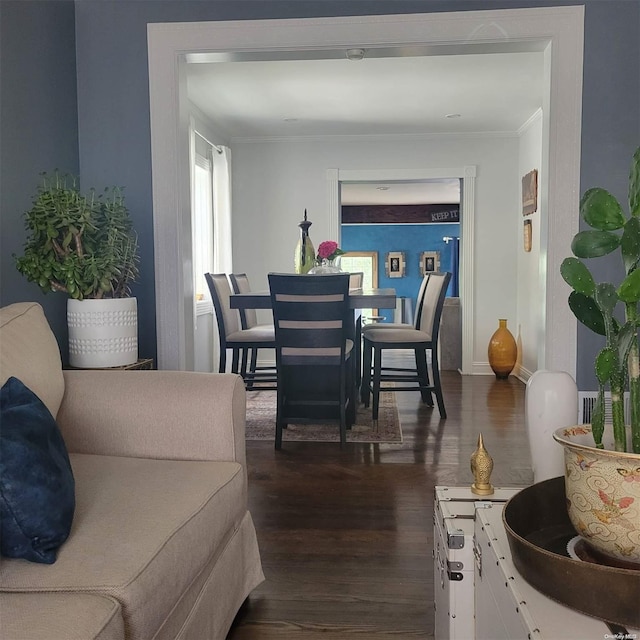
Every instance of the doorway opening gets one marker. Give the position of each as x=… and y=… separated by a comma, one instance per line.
x=557, y=31
x=467, y=177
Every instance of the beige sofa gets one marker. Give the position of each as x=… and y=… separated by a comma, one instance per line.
x=162, y=544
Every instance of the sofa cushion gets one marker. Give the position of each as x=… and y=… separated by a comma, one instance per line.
x=36, y=481
x=29, y=351
x=60, y=616
x=142, y=532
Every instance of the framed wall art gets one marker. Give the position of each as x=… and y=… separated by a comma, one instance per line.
x=530, y=193
x=528, y=235
x=429, y=262
x=395, y=264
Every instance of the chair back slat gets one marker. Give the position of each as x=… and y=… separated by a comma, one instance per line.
x=310, y=315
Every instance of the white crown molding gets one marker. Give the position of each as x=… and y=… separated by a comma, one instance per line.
x=535, y=118
x=382, y=137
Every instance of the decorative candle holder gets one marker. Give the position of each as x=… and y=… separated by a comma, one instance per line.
x=481, y=467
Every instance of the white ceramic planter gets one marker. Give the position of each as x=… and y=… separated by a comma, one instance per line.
x=102, y=333
x=603, y=492
x=551, y=402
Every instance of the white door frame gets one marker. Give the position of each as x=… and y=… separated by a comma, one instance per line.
x=556, y=30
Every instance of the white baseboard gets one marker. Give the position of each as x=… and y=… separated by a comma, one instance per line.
x=522, y=373
x=481, y=369
x=484, y=369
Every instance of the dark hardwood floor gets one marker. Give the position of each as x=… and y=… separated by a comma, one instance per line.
x=346, y=534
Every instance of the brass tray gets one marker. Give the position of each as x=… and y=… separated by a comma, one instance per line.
x=538, y=529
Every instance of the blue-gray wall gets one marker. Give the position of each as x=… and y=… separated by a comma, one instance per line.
x=113, y=100
x=38, y=129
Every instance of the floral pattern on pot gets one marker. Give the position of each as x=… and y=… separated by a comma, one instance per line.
x=603, y=493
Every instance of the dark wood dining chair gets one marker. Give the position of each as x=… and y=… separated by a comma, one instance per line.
x=313, y=351
x=356, y=281
x=233, y=336
x=421, y=339
x=249, y=320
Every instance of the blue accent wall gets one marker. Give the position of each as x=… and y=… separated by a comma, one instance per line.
x=39, y=131
x=412, y=239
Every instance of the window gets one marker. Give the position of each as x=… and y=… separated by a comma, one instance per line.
x=202, y=222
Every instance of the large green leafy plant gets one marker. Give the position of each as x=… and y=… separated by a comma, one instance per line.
x=84, y=246
x=599, y=305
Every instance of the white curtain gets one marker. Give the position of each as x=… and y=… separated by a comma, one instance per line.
x=222, y=257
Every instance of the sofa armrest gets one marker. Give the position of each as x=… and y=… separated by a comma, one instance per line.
x=154, y=414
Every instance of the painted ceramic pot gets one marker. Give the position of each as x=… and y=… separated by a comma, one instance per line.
x=603, y=493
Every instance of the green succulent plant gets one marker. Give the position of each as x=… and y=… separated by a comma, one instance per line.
x=596, y=304
x=84, y=246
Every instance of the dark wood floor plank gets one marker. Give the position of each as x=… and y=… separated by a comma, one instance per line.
x=346, y=534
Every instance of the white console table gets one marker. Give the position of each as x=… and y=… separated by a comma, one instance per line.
x=479, y=594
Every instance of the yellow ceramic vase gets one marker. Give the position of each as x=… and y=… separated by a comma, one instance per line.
x=503, y=351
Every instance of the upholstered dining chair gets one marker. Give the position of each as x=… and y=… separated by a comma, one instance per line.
x=421, y=339
x=249, y=320
x=356, y=279
x=233, y=336
x=403, y=325
x=364, y=391
x=313, y=350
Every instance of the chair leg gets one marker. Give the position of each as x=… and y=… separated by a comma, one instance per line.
x=437, y=386
x=248, y=368
x=423, y=376
x=222, y=367
x=235, y=362
x=365, y=385
x=243, y=364
x=377, y=373
x=353, y=397
x=358, y=349
x=351, y=393
x=343, y=407
x=279, y=411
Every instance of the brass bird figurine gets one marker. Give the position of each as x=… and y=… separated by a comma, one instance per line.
x=481, y=467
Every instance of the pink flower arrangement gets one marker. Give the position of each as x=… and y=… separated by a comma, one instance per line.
x=329, y=250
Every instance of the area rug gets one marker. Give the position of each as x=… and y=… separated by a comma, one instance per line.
x=261, y=422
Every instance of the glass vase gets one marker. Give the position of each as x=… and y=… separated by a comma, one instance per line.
x=305, y=255
x=326, y=267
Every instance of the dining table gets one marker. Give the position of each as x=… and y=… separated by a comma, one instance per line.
x=359, y=298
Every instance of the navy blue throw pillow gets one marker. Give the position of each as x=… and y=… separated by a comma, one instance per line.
x=37, y=490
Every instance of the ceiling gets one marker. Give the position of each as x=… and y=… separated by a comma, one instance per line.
x=400, y=95
x=438, y=191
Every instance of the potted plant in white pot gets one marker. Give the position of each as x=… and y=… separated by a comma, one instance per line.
x=602, y=461
x=85, y=246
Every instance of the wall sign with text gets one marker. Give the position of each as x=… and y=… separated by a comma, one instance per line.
x=400, y=214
